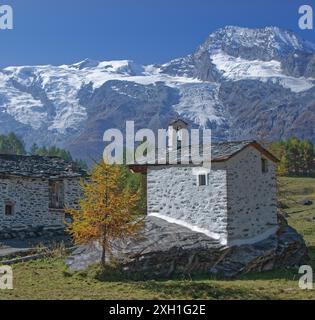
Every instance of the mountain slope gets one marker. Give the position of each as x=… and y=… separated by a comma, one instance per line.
x=241, y=83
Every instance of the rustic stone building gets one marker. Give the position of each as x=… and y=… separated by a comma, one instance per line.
x=34, y=191
x=231, y=197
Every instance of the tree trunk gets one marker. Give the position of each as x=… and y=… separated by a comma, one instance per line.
x=103, y=259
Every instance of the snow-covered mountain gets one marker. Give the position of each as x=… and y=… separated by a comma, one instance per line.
x=242, y=83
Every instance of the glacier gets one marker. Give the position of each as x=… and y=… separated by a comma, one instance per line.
x=235, y=71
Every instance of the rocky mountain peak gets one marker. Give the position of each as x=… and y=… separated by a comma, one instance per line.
x=262, y=43
x=86, y=63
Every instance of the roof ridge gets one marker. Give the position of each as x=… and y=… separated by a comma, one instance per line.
x=39, y=166
x=220, y=151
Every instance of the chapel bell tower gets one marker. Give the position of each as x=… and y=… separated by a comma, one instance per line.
x=176, y=134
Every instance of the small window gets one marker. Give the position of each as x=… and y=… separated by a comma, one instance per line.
x=264, y=165
x=202, y=180
x=9, y=209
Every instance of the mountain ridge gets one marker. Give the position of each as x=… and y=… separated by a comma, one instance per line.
x=241, y=83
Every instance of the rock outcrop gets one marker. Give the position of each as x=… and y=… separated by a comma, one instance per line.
x=165, y=249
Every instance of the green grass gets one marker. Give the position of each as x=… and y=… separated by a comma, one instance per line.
x=301, y=217
x=48, y=278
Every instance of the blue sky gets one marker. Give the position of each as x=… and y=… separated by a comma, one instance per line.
x=146, y=31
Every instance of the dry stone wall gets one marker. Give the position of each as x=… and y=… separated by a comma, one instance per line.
x=30, y=200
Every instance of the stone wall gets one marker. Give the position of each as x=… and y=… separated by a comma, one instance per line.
x=238, y=205
x=252, y=202
x=73, y=192
x=173, y=194
x=30, y=199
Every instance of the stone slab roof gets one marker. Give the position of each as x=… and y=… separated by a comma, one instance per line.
x=222, y=151
x=216, y=152
x=38, y=167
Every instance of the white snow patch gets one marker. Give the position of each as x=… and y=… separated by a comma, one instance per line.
x=21, y=105
x=239, y=69
x=201, y=104
x=61, y=85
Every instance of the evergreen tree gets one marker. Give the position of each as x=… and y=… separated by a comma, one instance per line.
x=307, y=157
x=293, y=154
x=34, y=149
x=296, y=157
x=11, y=144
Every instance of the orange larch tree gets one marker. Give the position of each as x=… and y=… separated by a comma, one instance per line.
x=107, y=210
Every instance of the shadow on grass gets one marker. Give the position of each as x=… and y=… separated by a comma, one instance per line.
x=115, y=274
x=311, y=253
x=204, y=290
x=276, y=274
x=179, y=286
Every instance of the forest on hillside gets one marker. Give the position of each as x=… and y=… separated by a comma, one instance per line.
x=297, y=157
x=12, y=144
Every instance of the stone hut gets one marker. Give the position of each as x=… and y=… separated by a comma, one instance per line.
x=230, y=197
x=34, y=191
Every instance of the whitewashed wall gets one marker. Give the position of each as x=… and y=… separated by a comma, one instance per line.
x=252, y=198
x=173, y=194
x=238, y=206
